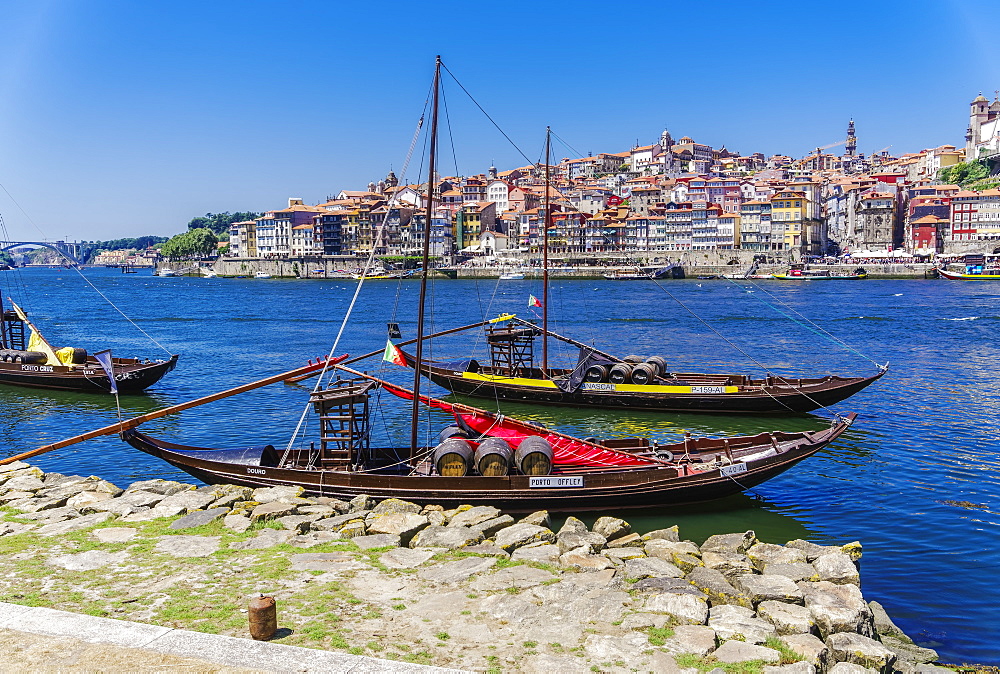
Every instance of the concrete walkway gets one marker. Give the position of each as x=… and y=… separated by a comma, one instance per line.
x=43, y=639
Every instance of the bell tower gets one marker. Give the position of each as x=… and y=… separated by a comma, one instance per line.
x=852, y=141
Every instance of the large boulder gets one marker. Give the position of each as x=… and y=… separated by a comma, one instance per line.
x=883, y=623
x=694, y=639
x=763, y=554
x=474, y=516
x=768, y=588
x=402, y=524
x=731, y=564
x=611, y=527
x=837, y=568
x=632, y=540
x=540, y=518
x=719, y=590
x=338, y=522
x=671, y=534
x=838, y=608
x=810, y=647
x=796, y=571
x=492, y=526
x=650, y=567
x=271, y=511
x=621, y=554
x=738, y=622
x=186, y=500
x=572, y=525
x=581, y=558
x=446, y=537
x=395, y=505
x=542, y=553
x=907, y=651
x=683, y=608
x=574, y=540
x=733, y=543
x=786, y=618
x=660, y=547
x=860, y=650
x=162, y=487
x=739, y=651
x=521, y=534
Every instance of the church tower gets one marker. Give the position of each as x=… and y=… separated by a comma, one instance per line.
x=665, y=140
x=979, y=112
x=852, y=141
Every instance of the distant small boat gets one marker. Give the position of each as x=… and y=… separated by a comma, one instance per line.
x=166, y=272
x=984, y=275
x=262, y=274
x=628, y=275
x=512, y=276
x=209, y=273
x=821, y=275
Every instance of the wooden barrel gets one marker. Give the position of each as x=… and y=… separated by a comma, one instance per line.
x=660, y=362
x=452, y=431
x=493, y=457
x=453, y=457
x=534, y=456
x=633, y=359
x=620, y=374
x=643, y=373
x=596, y=374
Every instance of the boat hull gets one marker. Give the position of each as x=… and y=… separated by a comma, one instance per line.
x=665, y=485
x=131, y=375
x=956, y=276
x=776, y=399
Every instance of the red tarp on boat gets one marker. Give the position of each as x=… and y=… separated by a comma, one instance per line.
x=566, y=450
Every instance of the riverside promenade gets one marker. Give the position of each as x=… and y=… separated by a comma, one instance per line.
x=360, y=582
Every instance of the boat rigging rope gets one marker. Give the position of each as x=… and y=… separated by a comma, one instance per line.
x=805, y=321
x=76, y=268
x=727, y=340
x=357, y=291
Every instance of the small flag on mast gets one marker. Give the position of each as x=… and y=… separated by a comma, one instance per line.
x=534, y=301
x=393, y=354
x=104, y=358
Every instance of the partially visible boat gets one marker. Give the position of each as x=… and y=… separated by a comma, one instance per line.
x=983, y=275
x=165, y=272
x=208, y=272
x=27, y=359
x=262, y=274
x=512, y=276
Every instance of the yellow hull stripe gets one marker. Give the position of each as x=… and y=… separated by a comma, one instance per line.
x=601, y=388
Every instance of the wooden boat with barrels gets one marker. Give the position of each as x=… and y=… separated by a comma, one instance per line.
x=27, y=359
x=486, y=458
x=600, y=379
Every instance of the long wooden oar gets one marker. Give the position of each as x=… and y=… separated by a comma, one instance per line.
x=132, y=423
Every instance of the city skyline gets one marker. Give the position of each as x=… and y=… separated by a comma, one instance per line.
x=126, y=120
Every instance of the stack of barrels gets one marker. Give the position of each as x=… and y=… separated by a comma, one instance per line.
x=633, y=370
x=455, y=457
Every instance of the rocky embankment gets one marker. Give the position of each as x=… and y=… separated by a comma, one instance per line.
x=471, y=588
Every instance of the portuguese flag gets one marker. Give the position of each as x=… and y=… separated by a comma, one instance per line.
x=534, y=301
x=393, y=355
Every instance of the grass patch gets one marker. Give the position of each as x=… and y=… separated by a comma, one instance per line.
x=659, y=635
x=788, y=656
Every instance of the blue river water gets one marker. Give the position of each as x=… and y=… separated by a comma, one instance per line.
x=915, y=480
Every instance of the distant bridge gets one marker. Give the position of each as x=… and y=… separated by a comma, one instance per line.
x=70, y=250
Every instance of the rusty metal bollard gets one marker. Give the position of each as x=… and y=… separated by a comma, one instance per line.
x=263, y=618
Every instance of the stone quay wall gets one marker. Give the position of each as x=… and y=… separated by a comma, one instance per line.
x=472, y=587
x=693, y=267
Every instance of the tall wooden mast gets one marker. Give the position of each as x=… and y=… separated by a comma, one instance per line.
x=545, y=259
x=415, y=412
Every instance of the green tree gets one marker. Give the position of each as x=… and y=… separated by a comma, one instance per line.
x=220, y=222
x=964, y=173
x=192, y=243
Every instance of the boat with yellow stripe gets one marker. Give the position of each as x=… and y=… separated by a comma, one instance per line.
x=602, y=380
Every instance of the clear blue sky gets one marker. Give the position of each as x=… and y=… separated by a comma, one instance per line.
x=123, y=118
